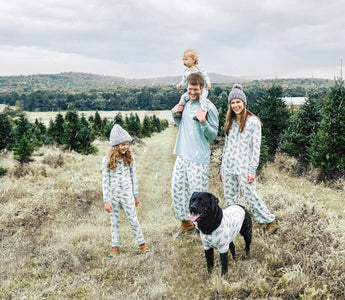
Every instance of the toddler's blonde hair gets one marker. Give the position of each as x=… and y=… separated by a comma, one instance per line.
x=192, y=54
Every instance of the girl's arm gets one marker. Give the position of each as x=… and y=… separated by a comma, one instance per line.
x=134, y=179
x=106, y=180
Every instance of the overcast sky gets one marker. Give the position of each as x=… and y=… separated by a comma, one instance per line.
x=146, y=38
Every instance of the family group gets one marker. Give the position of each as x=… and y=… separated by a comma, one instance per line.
x=197, y=119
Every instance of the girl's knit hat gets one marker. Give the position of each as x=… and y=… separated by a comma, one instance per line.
x=237, y=93
x=118, y=136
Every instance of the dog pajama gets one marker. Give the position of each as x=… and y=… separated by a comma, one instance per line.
x=191, y=169
x=229, y=228
x=120, y=186
x=241, y=156
x=204, y=93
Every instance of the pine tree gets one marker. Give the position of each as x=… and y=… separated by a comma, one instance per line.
x=97, y=124
x=274, y=115
x=327, y=150
x=296, y=139
x=147, y=129
x=119, y=120
x=24, y=139
x=72, y=129
x=222, y=113
x=85, y=137
x=6, y=132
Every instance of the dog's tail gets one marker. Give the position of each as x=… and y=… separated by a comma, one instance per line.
x=246, y=229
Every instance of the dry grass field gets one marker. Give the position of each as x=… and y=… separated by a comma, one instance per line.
x=55, y=234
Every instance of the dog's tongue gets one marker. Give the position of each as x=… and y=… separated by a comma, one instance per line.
x=194, y=217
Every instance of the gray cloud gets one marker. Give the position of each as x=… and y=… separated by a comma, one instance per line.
x=146, y=38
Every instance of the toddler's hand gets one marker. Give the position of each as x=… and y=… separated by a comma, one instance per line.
x=220, y=177
x=208, y=87
x=108, y=207
x=136, y=201
x=178, y=86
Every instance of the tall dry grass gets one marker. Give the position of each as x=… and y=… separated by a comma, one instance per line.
x=55, y=234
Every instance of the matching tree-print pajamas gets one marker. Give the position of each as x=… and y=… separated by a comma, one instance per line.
x=241, y=156
x=120, y=186
x=191, y=169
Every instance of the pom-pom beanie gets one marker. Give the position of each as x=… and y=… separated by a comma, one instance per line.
x=118, y=136
x=237, y=93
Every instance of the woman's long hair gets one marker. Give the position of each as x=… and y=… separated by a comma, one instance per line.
x=243, y=119
x=114, y=155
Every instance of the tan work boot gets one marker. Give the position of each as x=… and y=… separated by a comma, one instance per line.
x=144, y=249
x=271, y=227
x=113, y=251
x=186, y=226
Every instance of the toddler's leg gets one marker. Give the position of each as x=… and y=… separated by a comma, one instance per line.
x=183, y=100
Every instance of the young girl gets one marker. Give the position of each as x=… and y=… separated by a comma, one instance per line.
x=191, y=61
x=120, y=187
x=241, y=156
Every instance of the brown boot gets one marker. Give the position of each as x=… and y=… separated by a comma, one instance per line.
x=113, y=251
x=186, y=226
x=271, y=227
x=144, y=249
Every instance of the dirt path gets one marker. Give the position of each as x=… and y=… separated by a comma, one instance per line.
x=155, y=161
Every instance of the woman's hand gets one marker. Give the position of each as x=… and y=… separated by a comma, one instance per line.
x=108, y=207
x=250, y=177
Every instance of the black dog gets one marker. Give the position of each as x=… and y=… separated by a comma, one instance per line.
x=218, y=228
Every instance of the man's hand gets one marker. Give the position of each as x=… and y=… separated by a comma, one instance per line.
x=201, y=115
x=177, y=108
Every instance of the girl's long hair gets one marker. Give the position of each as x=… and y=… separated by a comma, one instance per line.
x=114, y=155
x=243, y=119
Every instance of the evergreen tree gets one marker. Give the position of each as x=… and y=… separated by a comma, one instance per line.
x=85, y=137
x=156, y=124
x=97, y=124
x=24, y=139
x=119, y=120
x=274, y=115
x=23, y=149
x=327, y=150
x=72, y=128
x=222, y=113
x=303, y=124
x=146, y=130
x=6, y=132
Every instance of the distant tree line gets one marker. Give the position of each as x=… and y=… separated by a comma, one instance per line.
x=314, y=133
x=75, y=132
x=125, y=98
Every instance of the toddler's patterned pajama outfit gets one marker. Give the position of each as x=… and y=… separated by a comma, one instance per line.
x=204, y=93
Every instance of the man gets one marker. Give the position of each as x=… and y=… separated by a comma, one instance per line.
x=191, y=169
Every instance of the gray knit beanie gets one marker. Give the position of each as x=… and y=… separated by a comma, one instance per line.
x=237, y=93
x=118, y=136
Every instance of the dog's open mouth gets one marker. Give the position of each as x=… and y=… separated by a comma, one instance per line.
x=193, y=217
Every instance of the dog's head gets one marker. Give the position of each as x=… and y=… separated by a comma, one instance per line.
x=202, y=204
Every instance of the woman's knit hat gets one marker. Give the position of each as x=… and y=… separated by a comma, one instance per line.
x=237, y=93
x=118, y=136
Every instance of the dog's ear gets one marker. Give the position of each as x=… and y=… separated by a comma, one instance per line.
x=214, y=201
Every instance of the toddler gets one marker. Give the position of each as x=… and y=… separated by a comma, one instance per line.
x=191, y=61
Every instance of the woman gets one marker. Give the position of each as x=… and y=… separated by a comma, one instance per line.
x=241, y=156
